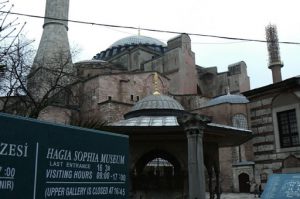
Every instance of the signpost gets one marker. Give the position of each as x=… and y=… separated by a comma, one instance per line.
x=282, y=186
x=42, y=160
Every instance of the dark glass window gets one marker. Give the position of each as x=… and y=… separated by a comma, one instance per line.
x=288, y=130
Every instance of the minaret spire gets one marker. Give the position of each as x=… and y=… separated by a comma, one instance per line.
x=53, y=53
x=275, y=63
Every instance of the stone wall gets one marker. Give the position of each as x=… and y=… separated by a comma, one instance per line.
x=268, y=154
x=138, y=57
x=91, y=68
x=191, y=102
x=238, y=78
x=111, y=111
x=213, y=84
x=178, y=64
x=260, y=112
x=122, y=88
x=56, y=114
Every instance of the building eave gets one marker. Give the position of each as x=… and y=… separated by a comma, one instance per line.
x=293, y=82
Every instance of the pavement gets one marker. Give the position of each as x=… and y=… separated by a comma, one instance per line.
x=236, y=196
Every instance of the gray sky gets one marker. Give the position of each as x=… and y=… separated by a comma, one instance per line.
x=232, y=18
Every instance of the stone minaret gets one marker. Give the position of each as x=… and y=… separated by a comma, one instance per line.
x=52, y=65
x=275, y=63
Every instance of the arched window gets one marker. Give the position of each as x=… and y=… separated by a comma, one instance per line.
x=240, y=121
x=160, y=167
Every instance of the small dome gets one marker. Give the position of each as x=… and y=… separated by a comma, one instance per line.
x=157, y=102
x=138, y=39
x=230, y=99
x=155, y=105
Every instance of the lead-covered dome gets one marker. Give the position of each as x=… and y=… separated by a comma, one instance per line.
x=155, y=105
x=138, y=39
x=157, y=102
x=229, y=98
x=131, y=42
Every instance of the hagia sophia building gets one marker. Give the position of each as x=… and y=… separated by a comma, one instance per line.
x=140, y=86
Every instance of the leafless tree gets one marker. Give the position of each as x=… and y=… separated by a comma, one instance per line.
x=17, y=67
x=10, y=30
x=50, y=82
x=26, y=89
x=13, y=55
x=31, y=89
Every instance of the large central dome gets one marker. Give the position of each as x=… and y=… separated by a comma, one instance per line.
x=136, y=40
x=130, y=43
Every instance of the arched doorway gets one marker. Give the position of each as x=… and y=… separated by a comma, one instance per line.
x=244, y=183
x=157, y=174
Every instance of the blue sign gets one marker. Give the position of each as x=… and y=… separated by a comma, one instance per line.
x=282, y=186
x=39, y=160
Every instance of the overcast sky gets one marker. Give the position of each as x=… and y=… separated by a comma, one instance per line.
x=232, y=18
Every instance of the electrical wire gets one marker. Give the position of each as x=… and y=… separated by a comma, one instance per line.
x=146, y=29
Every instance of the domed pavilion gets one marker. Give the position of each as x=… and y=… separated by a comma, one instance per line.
x=159, y=132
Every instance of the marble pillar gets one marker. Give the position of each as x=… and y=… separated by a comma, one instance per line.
x=194, y=125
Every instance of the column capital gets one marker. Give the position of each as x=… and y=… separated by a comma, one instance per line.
x=193, y=123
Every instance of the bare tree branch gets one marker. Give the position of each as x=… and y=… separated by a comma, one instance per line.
x=30, y=88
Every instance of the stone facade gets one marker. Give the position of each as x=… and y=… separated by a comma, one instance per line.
x=127, y=83
x=105, y=89
x=109, y=88
x=212, y=83
x=270, y=146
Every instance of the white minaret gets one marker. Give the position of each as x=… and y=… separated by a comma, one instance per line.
x=52, y=64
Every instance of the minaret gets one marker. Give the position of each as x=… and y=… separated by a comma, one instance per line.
x=275, y=63
x=52, y=64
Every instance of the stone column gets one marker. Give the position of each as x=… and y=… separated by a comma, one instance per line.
x=194, y=125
